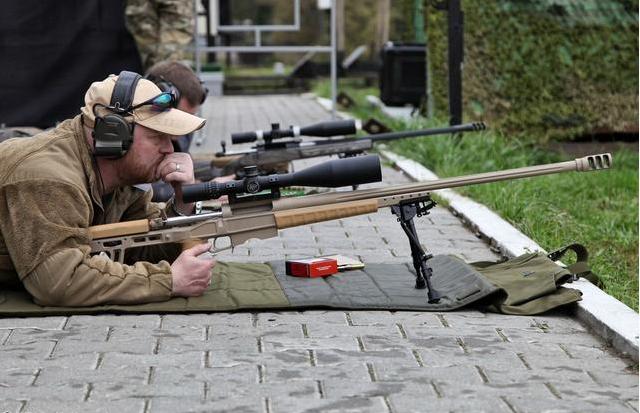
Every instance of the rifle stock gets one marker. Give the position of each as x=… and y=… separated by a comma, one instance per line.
x=262, y=219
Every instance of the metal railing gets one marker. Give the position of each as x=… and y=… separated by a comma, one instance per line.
x=258, y=47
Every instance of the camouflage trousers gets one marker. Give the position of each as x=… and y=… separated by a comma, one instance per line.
x=162, y=29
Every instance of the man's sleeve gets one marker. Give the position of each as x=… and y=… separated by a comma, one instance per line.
x=141, y=19
x=176, y=20
x=45, y=226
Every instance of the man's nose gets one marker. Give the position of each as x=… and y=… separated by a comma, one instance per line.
x=168, y=146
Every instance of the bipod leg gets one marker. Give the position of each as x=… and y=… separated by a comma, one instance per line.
x=405, y=213
x=416, y=255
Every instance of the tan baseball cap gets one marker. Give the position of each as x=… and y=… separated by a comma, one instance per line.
x=171, y=121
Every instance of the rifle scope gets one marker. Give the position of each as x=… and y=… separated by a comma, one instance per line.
x=322, y=129
x=333, y=174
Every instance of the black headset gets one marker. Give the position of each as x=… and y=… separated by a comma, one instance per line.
x=112, y=134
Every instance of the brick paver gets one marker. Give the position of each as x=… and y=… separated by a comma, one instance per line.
x=314, y=361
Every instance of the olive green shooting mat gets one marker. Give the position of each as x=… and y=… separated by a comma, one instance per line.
x=529, y=284
x=244, y=286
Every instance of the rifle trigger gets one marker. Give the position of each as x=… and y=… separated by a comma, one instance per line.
x=215, y=250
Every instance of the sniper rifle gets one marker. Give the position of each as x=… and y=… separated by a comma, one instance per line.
x=270, y=152
x=256, y=209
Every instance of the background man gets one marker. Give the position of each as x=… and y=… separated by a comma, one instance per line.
x=177, y=78
x=57, y=184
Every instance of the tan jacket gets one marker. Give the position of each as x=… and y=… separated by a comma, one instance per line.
x=48, y=199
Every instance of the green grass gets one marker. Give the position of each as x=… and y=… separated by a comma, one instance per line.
x=596, y=209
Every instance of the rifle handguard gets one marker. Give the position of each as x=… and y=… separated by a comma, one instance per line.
x=321, y=213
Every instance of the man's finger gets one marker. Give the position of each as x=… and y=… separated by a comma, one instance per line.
x=198, y=249
x=175, y=177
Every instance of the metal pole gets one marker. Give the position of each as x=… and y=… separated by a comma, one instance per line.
x=456, y=50
x=296, y=15
x=430, y=101
x=334, y=61
x=418, y=22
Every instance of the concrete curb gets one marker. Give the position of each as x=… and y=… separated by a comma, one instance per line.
x=326, y=104
x=612, y=320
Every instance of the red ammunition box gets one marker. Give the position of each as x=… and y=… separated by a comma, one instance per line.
x=311, y=267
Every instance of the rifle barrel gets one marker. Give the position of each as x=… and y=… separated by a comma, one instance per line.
x=392, y=194
x=467, y=127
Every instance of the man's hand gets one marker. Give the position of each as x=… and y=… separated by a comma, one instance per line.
x=176, y=169
x=191, y=274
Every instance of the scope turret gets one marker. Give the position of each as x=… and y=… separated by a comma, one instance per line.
x=322, y=129
x=333, y=174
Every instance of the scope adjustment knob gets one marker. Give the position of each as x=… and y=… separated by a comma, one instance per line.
x=250, y=171
x=252, y=187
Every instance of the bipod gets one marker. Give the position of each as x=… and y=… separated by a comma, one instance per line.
x=406, y=211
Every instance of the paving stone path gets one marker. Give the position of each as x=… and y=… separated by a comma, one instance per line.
x=314, y=361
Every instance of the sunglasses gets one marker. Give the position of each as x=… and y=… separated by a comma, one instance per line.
x=161, y=102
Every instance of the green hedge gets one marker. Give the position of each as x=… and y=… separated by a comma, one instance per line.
x=552, y=68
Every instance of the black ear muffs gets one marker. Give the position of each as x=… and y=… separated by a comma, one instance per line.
x=168, y=87
x=112, y=134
